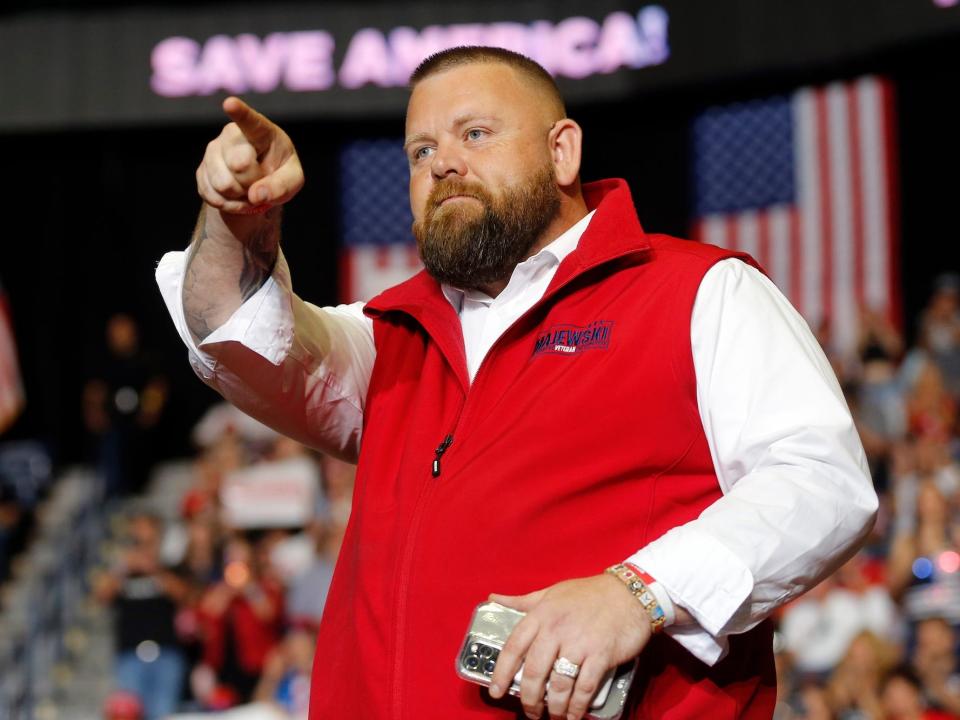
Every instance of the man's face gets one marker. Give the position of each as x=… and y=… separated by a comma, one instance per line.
x=122, y=334
x=935, y=637
x=482, y=185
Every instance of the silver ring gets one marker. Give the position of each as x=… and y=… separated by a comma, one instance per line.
x=564, y=667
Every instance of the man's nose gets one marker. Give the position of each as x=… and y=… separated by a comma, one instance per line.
x=447, y=161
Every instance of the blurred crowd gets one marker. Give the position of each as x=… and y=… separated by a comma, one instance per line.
x=879, y=638
x=216, y=605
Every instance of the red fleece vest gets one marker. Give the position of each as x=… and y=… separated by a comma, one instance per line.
x=579, y=442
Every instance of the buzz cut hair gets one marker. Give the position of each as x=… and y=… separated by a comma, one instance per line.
x=477, y=54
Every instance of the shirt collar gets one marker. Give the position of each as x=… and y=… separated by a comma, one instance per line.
x=552, y=254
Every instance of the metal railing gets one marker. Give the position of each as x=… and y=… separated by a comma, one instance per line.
x=46, y=594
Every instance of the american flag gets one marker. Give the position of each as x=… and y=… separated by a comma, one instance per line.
x=11, y=389
x=378, y=249
x=804, y=184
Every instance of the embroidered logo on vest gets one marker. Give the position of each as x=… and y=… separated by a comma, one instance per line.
x=573, y=339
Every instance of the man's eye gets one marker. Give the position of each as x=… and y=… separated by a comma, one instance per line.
x=422, y=153
x=475, y=134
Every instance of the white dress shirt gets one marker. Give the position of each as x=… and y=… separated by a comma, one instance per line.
x=797, y=495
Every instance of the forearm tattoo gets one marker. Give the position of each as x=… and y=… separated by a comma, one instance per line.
x=196, y=307
x=259, y=255
x=201, y=302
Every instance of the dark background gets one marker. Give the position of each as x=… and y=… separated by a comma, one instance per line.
x=88, y=213
x=73, y=65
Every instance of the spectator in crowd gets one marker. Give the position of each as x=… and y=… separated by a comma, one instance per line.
x=877, y=339
x=879, y=407
x=308, y=591
x=940, y=329
x=924, y=563
x=201, y=567
x=934, y=660
x=202, y=562
x=931, y=409
x=144, y=595
x=286, y=674
x=819, y=627
x=338, y=478
x=123, y=400
x=919, y=460
x=902, y=699
x=853, y=690
x=813, y=703
x=216, y=461
x=241, y=618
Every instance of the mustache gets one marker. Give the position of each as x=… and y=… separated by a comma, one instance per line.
x=451, y=188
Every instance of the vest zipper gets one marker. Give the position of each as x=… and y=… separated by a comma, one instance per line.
x=438, y=453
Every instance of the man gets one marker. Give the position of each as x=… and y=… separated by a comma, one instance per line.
x=558, y=392
x=123, y=401
x=145, y=596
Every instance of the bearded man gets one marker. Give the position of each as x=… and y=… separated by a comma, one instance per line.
x=558, y=392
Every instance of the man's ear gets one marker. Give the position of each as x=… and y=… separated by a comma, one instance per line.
x=566, y=140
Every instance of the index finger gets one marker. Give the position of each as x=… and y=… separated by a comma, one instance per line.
x=255, y=127
x=511, y=656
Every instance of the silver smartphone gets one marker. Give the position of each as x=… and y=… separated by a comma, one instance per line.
x=489, y=629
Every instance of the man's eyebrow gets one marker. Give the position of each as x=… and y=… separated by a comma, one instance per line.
x=415, y=138
x=467, y=118
x=458, y=122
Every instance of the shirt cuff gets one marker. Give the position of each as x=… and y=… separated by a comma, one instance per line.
x=699, y=643
x=703, y=577
x=263, y=324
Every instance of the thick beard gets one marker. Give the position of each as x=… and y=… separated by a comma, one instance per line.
x=470, y=247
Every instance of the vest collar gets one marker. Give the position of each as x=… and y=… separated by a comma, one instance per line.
x=614, y=232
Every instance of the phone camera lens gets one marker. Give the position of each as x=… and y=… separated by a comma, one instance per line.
x=486, y=651
x=488, y=667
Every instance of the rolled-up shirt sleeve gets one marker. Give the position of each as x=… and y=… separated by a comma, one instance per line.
x=298, y=368
x=797, y=494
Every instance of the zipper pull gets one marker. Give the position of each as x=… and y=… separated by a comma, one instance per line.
x=438, y=453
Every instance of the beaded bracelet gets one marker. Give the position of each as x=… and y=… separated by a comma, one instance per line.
x=638, y=588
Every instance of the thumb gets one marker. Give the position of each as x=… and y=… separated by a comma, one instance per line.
x=523, y=603
x=279, y=186
x=260, y=192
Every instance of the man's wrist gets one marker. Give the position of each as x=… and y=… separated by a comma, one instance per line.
x=258, y=233
x=642, y=593
x=659, y=592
